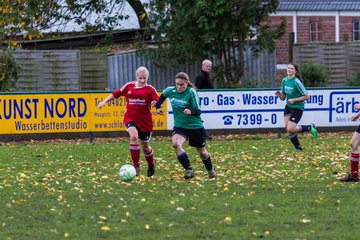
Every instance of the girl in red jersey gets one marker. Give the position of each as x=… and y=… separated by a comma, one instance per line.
x=354, y=155
x=140, y=97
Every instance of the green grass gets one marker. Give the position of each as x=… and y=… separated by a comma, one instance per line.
x=60, y=190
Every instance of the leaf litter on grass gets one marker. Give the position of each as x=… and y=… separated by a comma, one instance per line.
x=263, y=189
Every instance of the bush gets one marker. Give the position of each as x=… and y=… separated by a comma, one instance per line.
x=354, y=80
x=9, y=70
x=314, y=74
x=249, y=83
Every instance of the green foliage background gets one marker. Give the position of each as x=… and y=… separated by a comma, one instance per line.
x=314, y=74
x=190, y=31
x=9, y=70
x=354, y=80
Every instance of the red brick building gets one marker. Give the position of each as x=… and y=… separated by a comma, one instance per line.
x=316, y=21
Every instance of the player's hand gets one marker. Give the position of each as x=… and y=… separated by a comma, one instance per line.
x=357, y=106
x=355, y=117
x=278, y=93
x=101, y=104
x=159, y=111
x=153, y=103
x=187, y=111
x=291, y=101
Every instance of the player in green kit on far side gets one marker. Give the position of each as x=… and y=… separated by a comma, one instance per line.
x=294, y=91
x=188, y=124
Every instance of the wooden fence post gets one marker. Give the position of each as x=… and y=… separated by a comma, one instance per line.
x=291, y=44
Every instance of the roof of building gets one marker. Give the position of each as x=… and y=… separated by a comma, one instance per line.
x=320, y=5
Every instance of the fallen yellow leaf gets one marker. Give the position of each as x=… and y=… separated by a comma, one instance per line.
x=105, y=228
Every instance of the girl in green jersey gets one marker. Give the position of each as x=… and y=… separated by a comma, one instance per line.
x=294, y=91
x=188, y=124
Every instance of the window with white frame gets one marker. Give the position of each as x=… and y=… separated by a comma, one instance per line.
x=314, y=32
x=356, y=31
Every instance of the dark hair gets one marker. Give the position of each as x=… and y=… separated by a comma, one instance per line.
x=297, y=74
x=184, y=76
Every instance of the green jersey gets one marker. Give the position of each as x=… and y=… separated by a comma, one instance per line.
x=179, y=101
x=293, y=88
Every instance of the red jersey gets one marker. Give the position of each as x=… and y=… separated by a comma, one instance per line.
x=138, y=104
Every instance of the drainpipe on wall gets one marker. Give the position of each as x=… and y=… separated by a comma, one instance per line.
x=337, y=27
x=291, y=44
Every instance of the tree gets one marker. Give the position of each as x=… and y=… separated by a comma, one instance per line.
x=31, y=18
x=97, y=15
x=20, y=17
x=217, y=29
x=28, y=19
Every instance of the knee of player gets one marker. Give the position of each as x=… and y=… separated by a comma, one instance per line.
x=146, y=148
x=134, y=138
x=204, y=155
x=353, y=146
x=290, y=130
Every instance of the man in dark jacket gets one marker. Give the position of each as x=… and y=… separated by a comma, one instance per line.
x=203, y=80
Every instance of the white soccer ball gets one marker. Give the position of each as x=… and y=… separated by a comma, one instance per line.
x=127, y=173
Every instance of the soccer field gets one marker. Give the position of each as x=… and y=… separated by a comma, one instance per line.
x=72, y=190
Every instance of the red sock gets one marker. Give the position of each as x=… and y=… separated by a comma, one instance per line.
x=354, y=164
x=149, y=158
x=135, y=154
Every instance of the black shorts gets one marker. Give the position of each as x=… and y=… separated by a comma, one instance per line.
x=143, y=136
x=295, y=114
x=196, y=137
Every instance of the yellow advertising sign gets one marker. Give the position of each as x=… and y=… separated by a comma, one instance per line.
x=61, y=112
x=110, y=117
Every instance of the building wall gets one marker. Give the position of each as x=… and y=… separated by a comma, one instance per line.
x=282, y=44
x=326, y=30
x=327, y=33
x=346, y=24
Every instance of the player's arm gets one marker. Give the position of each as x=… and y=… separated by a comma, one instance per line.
x=357, y=115
x=302, y=90
x=108, y=98
x=299, y=99
x=195, y=106
x=154, y=98
x=158, y=104
x=193, y=112
x=280, y=95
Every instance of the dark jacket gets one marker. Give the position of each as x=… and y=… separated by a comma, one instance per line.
x=203, y=81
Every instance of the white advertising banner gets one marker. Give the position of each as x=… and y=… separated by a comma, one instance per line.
x=245, y=109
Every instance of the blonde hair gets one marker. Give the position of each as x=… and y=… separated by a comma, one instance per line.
x=142, y=69
x=184, y=76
